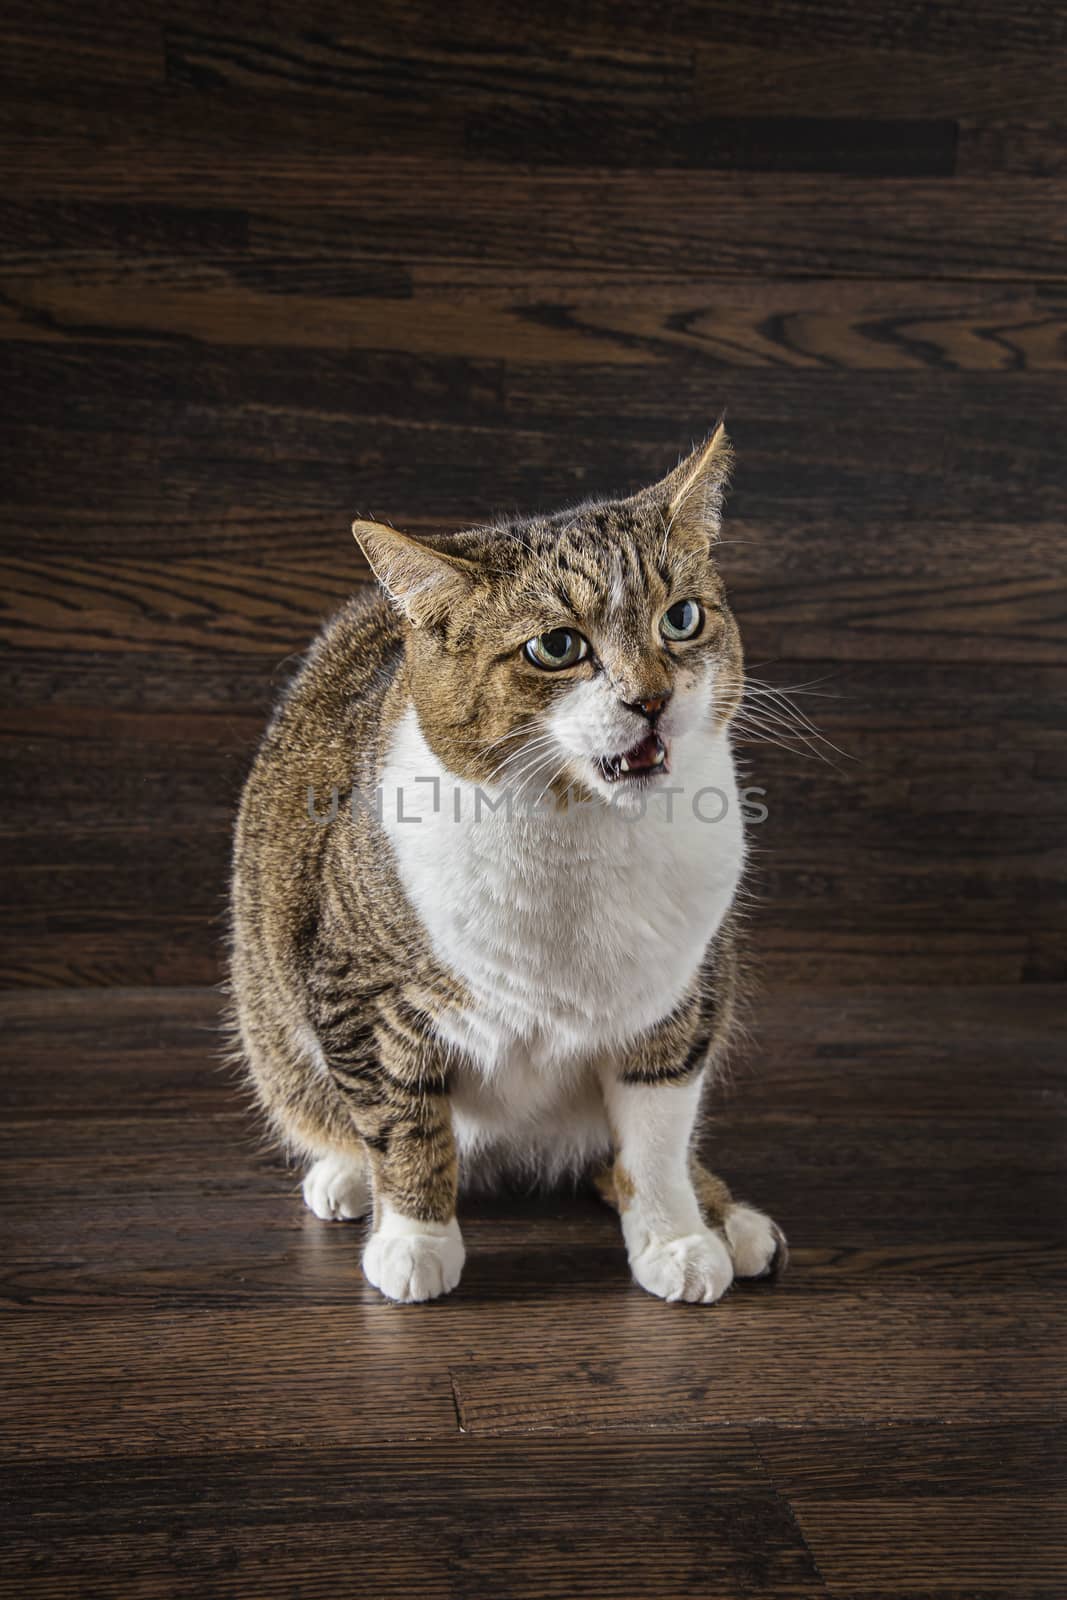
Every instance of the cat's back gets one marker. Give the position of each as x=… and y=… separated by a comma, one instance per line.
x=323, y=739
x=330, y=713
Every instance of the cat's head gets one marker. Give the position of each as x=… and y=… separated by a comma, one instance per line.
x=574, y=649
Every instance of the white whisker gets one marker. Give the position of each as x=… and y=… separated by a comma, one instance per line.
x=529, y=758
x=512, y=733
x=777, y=710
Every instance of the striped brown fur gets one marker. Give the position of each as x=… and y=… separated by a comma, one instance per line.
x=338, y=992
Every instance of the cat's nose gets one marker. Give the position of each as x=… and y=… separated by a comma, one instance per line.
x=649, y=708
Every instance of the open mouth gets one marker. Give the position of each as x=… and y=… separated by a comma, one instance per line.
x=650, y=755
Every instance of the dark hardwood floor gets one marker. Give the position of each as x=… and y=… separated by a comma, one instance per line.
x=266, y=266
x=201, y=1395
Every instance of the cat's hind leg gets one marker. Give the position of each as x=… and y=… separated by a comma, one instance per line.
x=337, y=1187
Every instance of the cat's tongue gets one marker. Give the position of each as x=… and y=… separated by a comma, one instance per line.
x=645, y=756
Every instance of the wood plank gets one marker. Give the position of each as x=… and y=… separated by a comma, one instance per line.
x=1031, y=148
x=834, y=65
x=990, y=26
x=861, y=79
x=57, y=43
x=77, y=229
x=289, y=504
x=221, y=1224
x=198, y=1380
x=855, y=1464
x=188, y=953
x=662, y=32
x=856, y=113
x=62, y=290
x=618, y=224
x=671, y=137
x=930, y=1510
x=613, y=221
x=61, y=929
x=424, y=72
x=912, y=1356
x=447, y=1519
x=989, y=23
x=251, y=438
x=964, y=1546
x=182, y=1365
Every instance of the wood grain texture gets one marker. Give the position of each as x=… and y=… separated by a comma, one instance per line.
x=261, y=271
x=612, y=137
x=251, y=436
x=64, y=289
x=877, y=1365
x=450, y=1519
x=200, y=1395
x=930, y=1509
x=262, y=267
x=458, y=212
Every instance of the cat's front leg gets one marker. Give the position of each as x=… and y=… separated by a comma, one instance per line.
x=415, y=1250
x=413, y=1258
x=673, y=1254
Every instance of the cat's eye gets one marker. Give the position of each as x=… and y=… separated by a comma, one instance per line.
x=683, y=620
x=553, y=651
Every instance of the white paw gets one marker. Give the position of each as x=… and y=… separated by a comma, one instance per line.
x=693, y=1266
x=337, y=1189
x=756, y=1244
x=415, y=1266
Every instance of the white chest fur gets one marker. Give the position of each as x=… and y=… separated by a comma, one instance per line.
x=573, y=931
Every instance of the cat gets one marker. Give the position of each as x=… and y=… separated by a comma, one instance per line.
x=511, y=948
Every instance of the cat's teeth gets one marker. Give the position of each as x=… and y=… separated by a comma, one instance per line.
x=624, y=765
x=657, y=759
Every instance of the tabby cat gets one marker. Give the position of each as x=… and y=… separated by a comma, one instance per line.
x=482, y=886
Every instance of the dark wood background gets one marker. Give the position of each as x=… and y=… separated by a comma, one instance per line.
x=265, y=266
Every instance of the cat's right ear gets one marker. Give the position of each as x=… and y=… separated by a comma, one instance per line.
x=694, y=490
x=423, y=583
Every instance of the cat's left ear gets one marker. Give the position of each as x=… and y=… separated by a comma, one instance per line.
x=423, y=582
x=694, y=491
